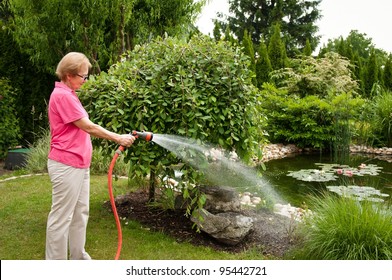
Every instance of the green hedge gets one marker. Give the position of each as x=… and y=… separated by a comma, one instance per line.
x=306, y=122
x=9, y=124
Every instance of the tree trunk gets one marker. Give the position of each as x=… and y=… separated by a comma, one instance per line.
x=151, y=193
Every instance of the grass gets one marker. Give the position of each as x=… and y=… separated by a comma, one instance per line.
x=345, y=229
x=24, y=206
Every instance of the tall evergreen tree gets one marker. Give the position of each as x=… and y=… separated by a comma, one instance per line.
x=341, y=47
x=216, y=31
x=357, y=42
x=358, y=72
x=277, y=12
x=249, y=51
x=308, y=48
x=371, y=76
x=276, y=49
x=228, y=37
x=348, y=52
x=296, y=18
x=387, y=74
x=263, y=65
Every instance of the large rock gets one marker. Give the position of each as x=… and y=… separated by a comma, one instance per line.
x=229, y=228
x=218, y=199
x=221, y=199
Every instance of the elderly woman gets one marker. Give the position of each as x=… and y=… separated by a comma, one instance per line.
x=69, y=160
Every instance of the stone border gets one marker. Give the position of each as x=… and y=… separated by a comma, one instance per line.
x=279, y=151
x=21, y=176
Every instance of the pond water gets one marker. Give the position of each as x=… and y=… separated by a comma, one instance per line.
x=297, y=177
x=289, y=180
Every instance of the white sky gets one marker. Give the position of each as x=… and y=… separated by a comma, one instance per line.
x=339, y=17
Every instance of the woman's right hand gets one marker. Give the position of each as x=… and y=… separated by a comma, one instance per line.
x=126, y=140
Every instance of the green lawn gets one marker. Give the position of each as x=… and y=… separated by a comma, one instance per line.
x=25, y=204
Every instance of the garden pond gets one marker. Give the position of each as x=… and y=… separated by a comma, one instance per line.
x=288, y=180
x=297, y=177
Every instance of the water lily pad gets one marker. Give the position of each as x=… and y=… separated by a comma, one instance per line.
x=331, y=171
x=361, y=170
x=313, y=175
x=359, y=192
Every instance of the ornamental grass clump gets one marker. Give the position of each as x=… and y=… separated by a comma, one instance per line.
x=346, y=229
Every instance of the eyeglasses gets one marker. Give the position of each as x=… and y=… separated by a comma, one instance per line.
x=84, y=77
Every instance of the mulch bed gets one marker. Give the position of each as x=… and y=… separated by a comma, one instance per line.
x=271, y=235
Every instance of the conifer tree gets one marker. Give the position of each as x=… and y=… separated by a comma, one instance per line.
x=387, y=75
x=348, y=52
x=216, y=31
x=277, y=12
x=308, y=48
x=228, y=37
x=285, y=59
x=341, y=47
x=358, y=71
x=263, y=65
x=296, y=18
x=371, y=73
x=380, y=74
x=249, y=51
x=276, y=49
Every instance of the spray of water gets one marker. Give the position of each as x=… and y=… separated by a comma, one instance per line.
x=219, y=167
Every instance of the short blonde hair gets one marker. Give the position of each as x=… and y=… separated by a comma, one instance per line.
x=71, y=64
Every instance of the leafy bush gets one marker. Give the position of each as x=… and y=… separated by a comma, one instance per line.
x=9, y=124
x=306, y=122
x=199, y=89
x=345, y=229
x=316, y=76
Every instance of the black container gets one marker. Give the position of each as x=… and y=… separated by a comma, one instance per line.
x=16, y=159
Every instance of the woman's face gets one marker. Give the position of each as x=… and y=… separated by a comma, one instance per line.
x=75, y=81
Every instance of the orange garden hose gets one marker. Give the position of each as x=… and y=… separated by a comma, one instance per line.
x=147, y=136
x=112, y=202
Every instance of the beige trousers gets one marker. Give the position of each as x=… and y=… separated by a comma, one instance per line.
x=68, y=217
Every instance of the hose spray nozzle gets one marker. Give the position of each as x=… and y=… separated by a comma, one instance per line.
x=147, y=136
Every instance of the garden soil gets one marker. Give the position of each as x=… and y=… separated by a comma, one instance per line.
x=272, y=234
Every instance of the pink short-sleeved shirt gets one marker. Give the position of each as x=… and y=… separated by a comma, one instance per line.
x=68, y=144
